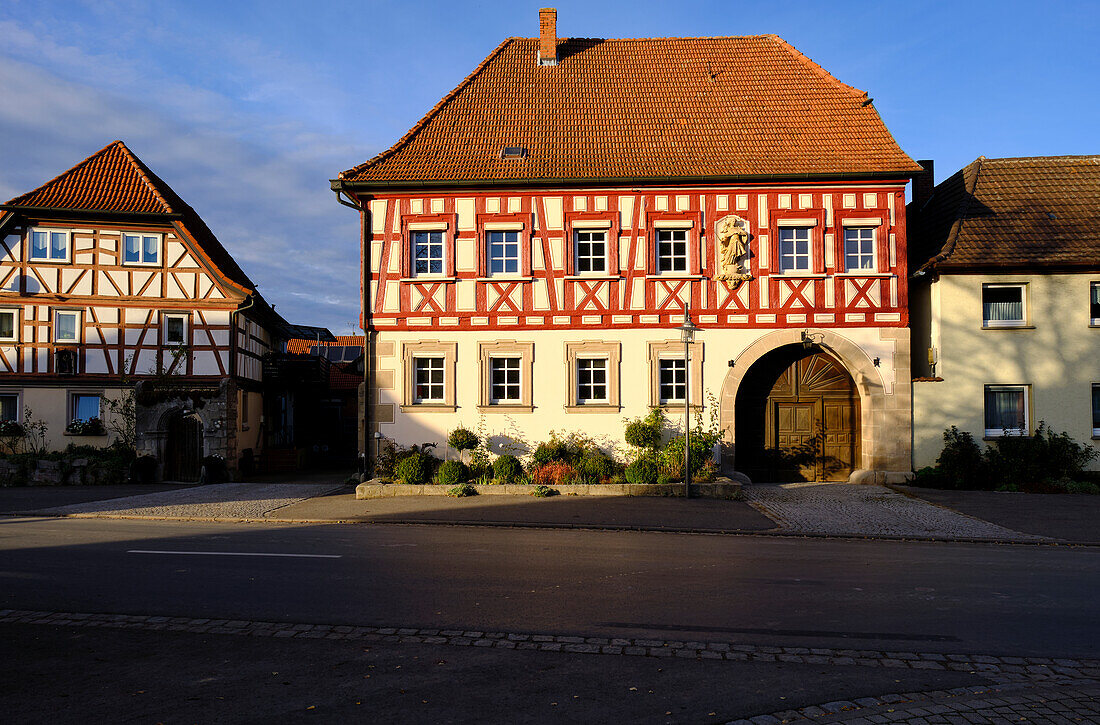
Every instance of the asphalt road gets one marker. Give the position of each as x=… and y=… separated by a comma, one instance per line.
x=927, y=597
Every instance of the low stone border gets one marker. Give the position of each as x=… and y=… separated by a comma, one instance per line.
x=723, y=488
x=998, y=668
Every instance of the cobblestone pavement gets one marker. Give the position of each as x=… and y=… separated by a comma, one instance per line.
x=865, y=510
x=230, y=501
x=1021, y=689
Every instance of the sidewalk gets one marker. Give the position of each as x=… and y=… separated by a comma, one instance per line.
x=820, y=510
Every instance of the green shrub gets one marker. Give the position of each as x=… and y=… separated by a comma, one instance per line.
x=462, y=490
x=641, y=471
x=543, y=492
x=507, y=468
x=646, y=432
x=451, y=472
x=1043, y=457
x=415, y=468
x=144, y=469
x=463, y=439
x=960, y=462
x=597, y=466
x=672, y=456
x=551, y=450
x=928, y=477
x=1082, y=487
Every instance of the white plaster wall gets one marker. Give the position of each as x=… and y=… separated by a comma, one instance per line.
x=1058, y=355
x=550, y=381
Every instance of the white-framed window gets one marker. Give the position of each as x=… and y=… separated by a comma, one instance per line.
x=672, y=250
x=1006, y=410
x=1095, y=410
x=794, y=249
x=141, y=249
x=671, y=380
x=590, y=251
x=175, y=329
x=9, y=325
x=504, y=380
x=1004, y=305
x=503, y=252
x=66, y=326
x=9, y=406
x=83, y=406
x=859, y=248
x=591, y=380
x=50, y=245
x=1094, y=303
x=428, y=379
x=427, y=248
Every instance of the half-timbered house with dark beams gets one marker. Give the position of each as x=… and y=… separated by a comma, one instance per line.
x=530, y=245
x=110, y=283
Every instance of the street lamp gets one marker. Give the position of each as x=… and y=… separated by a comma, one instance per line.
x=687, y=336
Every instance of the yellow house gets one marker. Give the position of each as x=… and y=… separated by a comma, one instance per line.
x=1005, y=301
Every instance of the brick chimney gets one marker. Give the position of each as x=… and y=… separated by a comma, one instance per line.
x=548, y=36
x=923, y=183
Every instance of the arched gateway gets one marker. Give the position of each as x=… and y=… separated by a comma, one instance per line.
x=812, y=405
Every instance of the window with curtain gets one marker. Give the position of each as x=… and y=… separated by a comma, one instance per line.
x=1094, y=303
x=8, y=325
x=1003, y=305
x=1006, y=410
x=1096, y=411
x=85, y=407
x=9, y=406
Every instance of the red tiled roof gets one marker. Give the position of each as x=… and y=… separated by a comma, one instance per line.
x=1025, y=213
x=301, y=346
x=663, y=108
x=111, y=179
x=114, y=180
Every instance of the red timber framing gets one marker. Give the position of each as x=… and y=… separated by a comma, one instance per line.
x=633, y=292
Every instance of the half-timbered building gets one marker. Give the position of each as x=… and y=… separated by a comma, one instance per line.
x=529, y=248
x=111, y=286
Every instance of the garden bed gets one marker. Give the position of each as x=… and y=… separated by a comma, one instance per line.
x=721, y=488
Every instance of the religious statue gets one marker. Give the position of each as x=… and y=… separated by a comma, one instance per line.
x=732, y=233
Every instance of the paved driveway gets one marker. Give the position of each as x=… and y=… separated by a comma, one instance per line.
x=862, y=510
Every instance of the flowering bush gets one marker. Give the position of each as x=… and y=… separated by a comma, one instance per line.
x=90, y=427
x=554, y=473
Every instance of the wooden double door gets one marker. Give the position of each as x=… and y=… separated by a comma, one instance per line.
x=810, y=426
x=183, y=452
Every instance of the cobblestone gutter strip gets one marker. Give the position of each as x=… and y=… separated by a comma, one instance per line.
x=1075, y=701
x=997, y=668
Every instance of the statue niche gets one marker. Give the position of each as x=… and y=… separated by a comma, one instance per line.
x=733, y=237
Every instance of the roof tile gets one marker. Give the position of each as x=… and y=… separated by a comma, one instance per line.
x=661, y=108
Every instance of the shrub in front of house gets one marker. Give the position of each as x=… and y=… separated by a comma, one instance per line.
x=450, y=473
x=554, y=473
x=415, y=468
x=641, y=472
x=507, y=468
x=90, y=427
x=550, y=451
x=645, y=433
x=462, y=490
x=596, y=467
x=463, y=439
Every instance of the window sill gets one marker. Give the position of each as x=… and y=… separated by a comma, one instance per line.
x=593, y=408
x=428, y=408
x=864, y=274
x=505, y=278
x=988, y=437
x=798, y=275
x=85, y=435
x=601, y=277
x=142, y=264
x=674, y=276
x=426, y=279
x=500, y=408
x=1008, y=327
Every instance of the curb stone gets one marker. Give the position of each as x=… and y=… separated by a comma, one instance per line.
x=989, y=666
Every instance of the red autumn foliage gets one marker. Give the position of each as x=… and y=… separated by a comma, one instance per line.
x=554, y=473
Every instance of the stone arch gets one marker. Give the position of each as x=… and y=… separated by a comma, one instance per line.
x=879, y=458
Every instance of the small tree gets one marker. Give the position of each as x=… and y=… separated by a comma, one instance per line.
x=122, y=419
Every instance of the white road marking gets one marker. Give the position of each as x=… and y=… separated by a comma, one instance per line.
x=234, y=553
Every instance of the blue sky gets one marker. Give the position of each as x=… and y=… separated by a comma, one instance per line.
x=248, y=108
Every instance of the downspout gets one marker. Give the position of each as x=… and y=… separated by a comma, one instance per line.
x=365, y=411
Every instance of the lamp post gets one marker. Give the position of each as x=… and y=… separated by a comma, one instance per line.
x=687, y=336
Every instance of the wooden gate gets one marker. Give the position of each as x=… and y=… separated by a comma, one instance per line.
x=810, y=427
x=183, y=452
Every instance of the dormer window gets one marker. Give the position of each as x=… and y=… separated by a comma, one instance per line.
x=513, y=152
